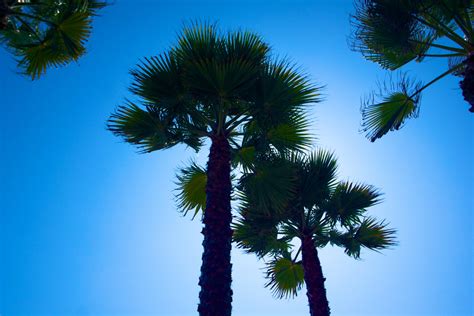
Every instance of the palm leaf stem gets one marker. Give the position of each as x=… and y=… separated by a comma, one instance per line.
x=444, y=74
x=25, y=24
x=449, y=48
x=443, y=55
x=237, y=146
x=296, y=255
x=440, y=27
x=236, y=123
x=235, y=118
x=467, y=30
x=238, y=134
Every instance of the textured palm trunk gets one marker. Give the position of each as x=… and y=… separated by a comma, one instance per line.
x=215, y=281
x=467, y=84
x=314, y=279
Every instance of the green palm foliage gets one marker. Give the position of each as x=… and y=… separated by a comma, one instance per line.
x=224, y=88
x=320, y=210
x=191, y=182
x=393, y=33
x=46, y=33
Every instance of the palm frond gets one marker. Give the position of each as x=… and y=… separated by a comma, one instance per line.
x=285, y=277
x=281, y=90
x=317, y=177
x=270, y=187
x=349, y=201
x=387, y=32
x=49, y=33
x=292, y=135
x=191, y=196
x=370, y=234
x=258, y=234
x=150, y=129
x=388, y=108
x=218, y=66
x=244, y=157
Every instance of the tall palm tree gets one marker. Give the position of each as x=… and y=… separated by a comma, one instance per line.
x=46, y=33
x=393, y=33
x=318, y=211
x=224, y=88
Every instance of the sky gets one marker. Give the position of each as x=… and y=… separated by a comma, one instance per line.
x=88, y=226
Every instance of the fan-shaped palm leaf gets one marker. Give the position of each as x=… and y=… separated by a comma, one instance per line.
x=370, y=234
x=259, y=235
x=285, y=277
x=349, y=201
x=317, y=177
x=388, y=109
x=191, y=195
x=270, y=187
x=44, y=34
x=388, y=32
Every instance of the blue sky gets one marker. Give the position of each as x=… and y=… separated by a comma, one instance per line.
x=90, y=227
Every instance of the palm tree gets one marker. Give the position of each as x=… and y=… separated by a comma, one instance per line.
x=393, y=33
x=46, y=33
x=224, y=88
x=318, y=211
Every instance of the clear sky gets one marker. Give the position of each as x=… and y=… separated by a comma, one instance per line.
x=90, y=227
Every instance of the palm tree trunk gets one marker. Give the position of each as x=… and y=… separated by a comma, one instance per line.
x=467, y=84
x=314, y=279
x=215, y=280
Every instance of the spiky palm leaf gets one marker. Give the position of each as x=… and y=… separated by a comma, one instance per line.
x=270, y=186
x=349, y=201
x=285, y=277
x=388, y=108
x=258, y=234
x=191, y=196
x=48, y=33
x=370, y=234
x=388, y=33
x=317, y=177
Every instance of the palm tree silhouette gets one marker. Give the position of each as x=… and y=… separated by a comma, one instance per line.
x=46, y=33
x=225, y=88
x=393, y=33
x=318, y=211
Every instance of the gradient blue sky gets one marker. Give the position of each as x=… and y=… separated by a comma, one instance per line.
x=89, y=227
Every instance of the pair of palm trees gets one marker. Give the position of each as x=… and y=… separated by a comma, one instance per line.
x=224, y=88
x=227, y=89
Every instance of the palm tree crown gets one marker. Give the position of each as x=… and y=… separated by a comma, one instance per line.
x=225, y=88
x=213, y=84
x=317, y=210
x=46, y=33
x=393, y=33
